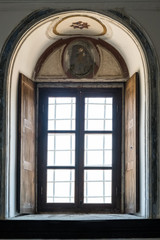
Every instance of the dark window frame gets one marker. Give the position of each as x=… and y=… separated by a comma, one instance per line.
x=78, y=206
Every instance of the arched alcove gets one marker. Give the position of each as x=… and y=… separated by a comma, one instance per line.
x=20, y=54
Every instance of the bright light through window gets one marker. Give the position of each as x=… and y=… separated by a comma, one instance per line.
x=97, y=155
x=61, y=150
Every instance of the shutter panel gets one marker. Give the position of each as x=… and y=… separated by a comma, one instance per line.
x=27, y=145
x=131, y=145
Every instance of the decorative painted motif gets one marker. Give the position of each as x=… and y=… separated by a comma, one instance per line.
x=80, y=25
x=77, y=24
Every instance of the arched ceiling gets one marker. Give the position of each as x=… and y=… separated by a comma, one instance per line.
x=55, y=62
x=75, y=23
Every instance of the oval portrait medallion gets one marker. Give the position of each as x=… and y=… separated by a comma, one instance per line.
x=80, y=59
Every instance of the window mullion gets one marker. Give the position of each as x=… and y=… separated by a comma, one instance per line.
x=80, y=147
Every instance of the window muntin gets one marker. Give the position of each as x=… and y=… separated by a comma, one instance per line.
x=101, y=180
x=98, y=113
x=61, y=113
x=61, y=149
x=60, y=185
x=98, y=150
x=80, y=150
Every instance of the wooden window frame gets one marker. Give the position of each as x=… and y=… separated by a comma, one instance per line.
x=79, y=206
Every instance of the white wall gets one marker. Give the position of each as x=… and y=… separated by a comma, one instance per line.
x=146, y=12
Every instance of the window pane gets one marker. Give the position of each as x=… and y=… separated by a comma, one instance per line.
x=61, y=149
x=60, y=186
x=61, y=113
x=98, y=158
x=98, y=114
x=101, y=180
x=98, y=150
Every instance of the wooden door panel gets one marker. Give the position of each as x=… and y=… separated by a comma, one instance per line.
x=131, y=145
x=27, y=145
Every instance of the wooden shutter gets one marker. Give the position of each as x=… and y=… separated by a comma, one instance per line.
x=26, y=145
x=131, y=145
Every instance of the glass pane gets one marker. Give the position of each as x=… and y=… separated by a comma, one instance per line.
x=60, y=186
x=98, y=150
x=61, y=113
x=101, y=180
x=61, y=149
x=98, y=114
x=98, y=158
x=95, y=125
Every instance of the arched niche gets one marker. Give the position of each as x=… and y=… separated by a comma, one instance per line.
x=54, y=63
x=20, y=54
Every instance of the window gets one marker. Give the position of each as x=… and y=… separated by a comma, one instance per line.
x=78, y=168
x=79, y=152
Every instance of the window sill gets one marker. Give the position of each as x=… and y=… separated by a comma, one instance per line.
x=76, y=217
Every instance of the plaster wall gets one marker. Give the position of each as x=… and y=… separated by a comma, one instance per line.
x=146, y=12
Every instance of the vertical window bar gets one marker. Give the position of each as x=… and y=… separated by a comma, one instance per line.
x=104, y=123
x=71, y=113
x=104, y=152
x=54, y=128
x=77, y=153
x=87, y=106
x=70, y=150
x=54, y=155
x=80, y=157
x=55, y=113
x=53, y=186
x=86, y=173
x=54, y=149
x=70, y=186
x=103, y=171
x=86, y=150
x=86, y=128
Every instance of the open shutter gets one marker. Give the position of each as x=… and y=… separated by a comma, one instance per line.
x=131, y=145
x=26, y=145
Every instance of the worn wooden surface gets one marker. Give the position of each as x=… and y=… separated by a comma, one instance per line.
x=27, y=145
x=131, y=145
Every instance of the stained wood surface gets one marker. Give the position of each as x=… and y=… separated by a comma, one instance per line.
x=131, y=145
x=27, y=145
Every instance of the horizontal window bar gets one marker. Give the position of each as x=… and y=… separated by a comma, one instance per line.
x=59, y=197
x=98, y=132
x=60, y=167
x=97, y=168
x=99, y=149
x=107, y=196
x=102, y=104
x=63, y=150
x=97, y=181
x=69, y=103
x=62, y=181
x=62, y=119
x=60, y=131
